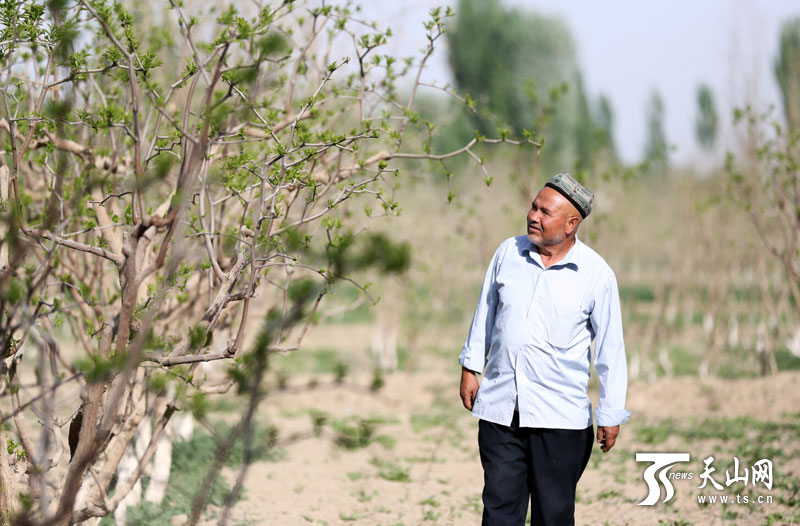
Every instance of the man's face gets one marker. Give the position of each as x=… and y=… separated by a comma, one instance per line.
x=549, y=218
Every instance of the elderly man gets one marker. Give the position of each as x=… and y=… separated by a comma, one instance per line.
x=546, y=296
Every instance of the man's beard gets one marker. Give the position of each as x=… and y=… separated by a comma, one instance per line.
x=546, y=242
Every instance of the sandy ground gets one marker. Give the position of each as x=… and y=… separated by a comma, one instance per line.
x=426, y=435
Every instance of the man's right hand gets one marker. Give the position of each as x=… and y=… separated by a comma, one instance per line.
x=469, y=388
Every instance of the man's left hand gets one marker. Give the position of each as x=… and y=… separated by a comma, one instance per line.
x=607, y=436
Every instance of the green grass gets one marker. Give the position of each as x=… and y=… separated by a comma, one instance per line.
x=655, y=433
x=790, y=486
x=636, y=293
x=725, y=429
x=191, y=460
x=430, y=515
x=364, y=496
x=361, y=314
x=609, y=494
x=781, y=519
x=746, y=294
x=391, y=471
x=355, y=433
x=423, y=421
x=350, y=517
x=387, y=441
x=786, y=360
x=320, y=360
x=430, y=501
x=747, y=439
x=684, y=362
x=345, y=295
x=229, y=403
x=733, y=369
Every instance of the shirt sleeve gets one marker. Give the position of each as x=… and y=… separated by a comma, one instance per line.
x=476, y=349
x=609, y=356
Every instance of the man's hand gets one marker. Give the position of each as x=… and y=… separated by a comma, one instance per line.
x=469, y=388
x=606, y=435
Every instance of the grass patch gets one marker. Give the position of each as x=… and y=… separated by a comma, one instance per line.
x=725, y=429
x=391, y=471
x=780, y=519
x=423, y=459
x=790, y=487
x=320, y=360
x=786, y=361
x=430, y=501
x=347, y=295
x=684, y=362
x=350, y=517
x=609, y=494
x=361, y=314
x=473, y=503
x=655, y=433
x=387, y=441
x=353, y=436
x=358, y=433
x=423, y=421
x=230, y=403
x=430, y=515
x=363, y=496
x=636, y=293
x=191, y=460
x=731, y=370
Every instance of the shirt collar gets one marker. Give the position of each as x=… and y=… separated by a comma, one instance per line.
x=571, y=259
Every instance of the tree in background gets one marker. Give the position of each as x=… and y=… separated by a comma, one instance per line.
x=705, y=126
x=768, y=188
x=604, y=126
x=169, y=176
x=522, y=66
x=787, y=72
x=765, y=182
x=656, y=148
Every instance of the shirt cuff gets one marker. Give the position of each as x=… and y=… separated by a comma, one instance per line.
x=611, y=417
x=464, y=360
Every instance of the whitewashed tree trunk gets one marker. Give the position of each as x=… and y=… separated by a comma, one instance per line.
x=9, y=497
x=666, y=364
x=383, y=345
x=162, y=465
x=793, y=343
x=383, y=338
x=183, y=426
x=635, y=367
x=3, y=225
x=733, y=331
x=126, y=468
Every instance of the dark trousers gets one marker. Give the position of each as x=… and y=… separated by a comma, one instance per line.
x=541, y=464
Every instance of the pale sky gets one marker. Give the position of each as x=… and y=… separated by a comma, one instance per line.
x=629, y=47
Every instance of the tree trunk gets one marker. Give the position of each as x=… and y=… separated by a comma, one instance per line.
x=9, y=498
x=162, y=465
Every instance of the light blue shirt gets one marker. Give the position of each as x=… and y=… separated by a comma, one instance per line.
x=538, y=324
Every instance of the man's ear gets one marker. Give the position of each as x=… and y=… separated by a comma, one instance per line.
x=572, y=224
